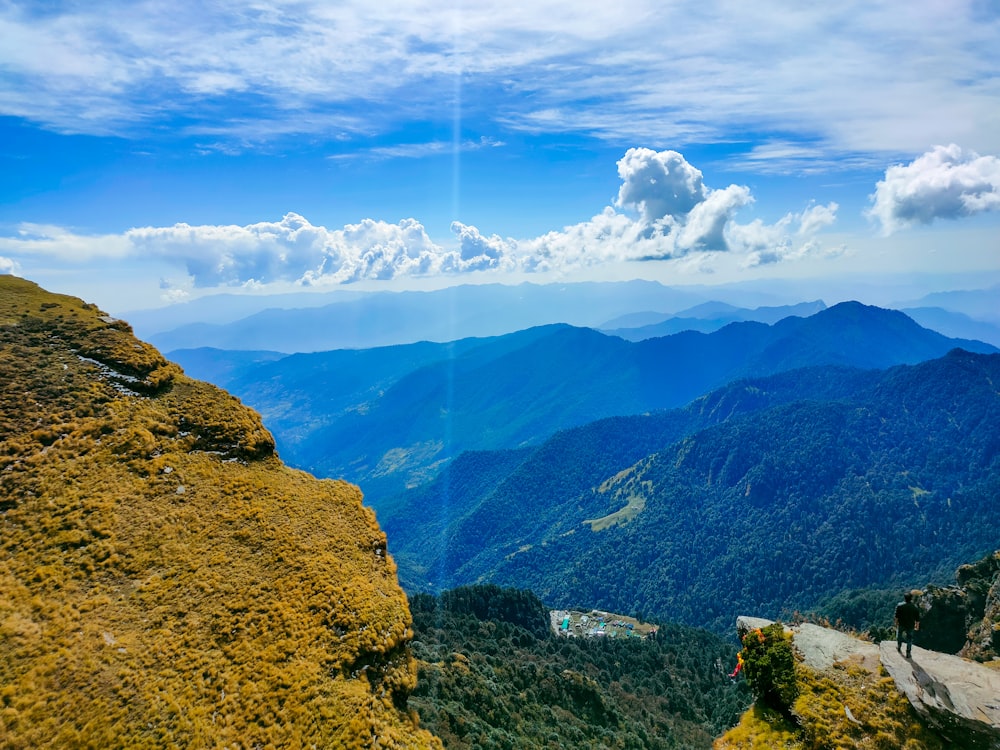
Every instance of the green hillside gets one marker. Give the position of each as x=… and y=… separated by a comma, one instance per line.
x=391, y=418
x=465, y=515
x=890, y=478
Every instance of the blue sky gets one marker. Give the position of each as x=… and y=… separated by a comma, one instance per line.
x=153, y=151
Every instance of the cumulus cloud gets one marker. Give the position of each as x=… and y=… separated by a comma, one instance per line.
x=705, y=225
x=671, y=198
x=790, y=238
x=608, y=237
x=480, y=253
x=294, y=250
x=8, y=265
x=664, y=210
x=659, y=184
x=944, y=183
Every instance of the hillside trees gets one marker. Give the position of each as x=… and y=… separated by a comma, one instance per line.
x=891, y=481
x=493, y=675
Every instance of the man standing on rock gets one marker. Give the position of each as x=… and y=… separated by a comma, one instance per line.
x=907, y=621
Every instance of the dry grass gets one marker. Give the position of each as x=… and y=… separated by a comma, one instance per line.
x=165, y=581
x=845, y=707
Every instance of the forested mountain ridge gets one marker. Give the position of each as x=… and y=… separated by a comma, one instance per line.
x=890, y=475
x=437, y=528
x=389, y=418
x=165, y=581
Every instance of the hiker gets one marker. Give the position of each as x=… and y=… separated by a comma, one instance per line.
x=907, y=620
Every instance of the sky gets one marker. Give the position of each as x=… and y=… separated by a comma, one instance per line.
x=154, y=152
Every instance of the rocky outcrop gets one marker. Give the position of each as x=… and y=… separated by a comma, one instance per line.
x=959, y=698
x=819, y=647
x=964, y=618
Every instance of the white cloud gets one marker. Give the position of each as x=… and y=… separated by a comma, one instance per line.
x=295, y=250
x=479, y=253
x=608, y=237
x=705, y=225
x=8, y=265
x=675, y=215
x=671, y=198
x=790, y=238
x=659, y=184
x=848, y=77
x=420, y=150
x=48, y=240
x=815, y=218
x=944, y=183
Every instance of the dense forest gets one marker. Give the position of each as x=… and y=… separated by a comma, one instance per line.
x=492, y=674
x=793, y=489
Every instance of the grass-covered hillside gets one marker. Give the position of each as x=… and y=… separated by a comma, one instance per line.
x=165, y=581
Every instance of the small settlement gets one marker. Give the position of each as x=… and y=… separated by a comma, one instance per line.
x=571, y=623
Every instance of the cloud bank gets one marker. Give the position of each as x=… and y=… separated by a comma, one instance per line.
x=664, y=210
x=849, y=77
x=944, y=183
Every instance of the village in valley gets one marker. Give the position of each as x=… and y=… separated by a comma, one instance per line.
x=571, y=623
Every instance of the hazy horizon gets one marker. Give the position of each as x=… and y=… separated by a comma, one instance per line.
x=155, y=153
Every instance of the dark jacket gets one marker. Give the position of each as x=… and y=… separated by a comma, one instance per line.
x=907, y=615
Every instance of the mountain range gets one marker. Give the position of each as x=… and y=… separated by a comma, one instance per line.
x=706, y=317
x=321, y=321
x=351, y=320
x=767, y=496
x=388, y=418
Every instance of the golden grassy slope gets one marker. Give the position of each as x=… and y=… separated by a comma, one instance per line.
x=165, y=581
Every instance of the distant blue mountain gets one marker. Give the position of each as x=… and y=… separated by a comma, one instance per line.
x=956, y=324
x=389, y=318
x=391, y=417
x=706, y=317
x=978, y=304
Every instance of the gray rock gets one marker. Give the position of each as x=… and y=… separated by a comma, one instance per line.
x=820, y=647
x=745, y=624
x=959, y=698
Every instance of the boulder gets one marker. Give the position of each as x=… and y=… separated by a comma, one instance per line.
x=745, y=624
x=959, y=698
x=821, y=647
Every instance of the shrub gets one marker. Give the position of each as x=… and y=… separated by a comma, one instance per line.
x=769, y=666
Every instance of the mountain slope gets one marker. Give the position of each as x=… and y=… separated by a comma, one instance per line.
x=493, y=674
x=890, y=475
x=463, y=522
x=389, y=418
x=165, y=580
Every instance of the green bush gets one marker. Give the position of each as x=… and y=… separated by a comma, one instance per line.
x=769, y=666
